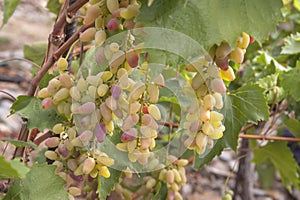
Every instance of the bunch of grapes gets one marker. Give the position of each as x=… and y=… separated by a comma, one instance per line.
x=223, y=53
x=113, y=102
x=203, y=122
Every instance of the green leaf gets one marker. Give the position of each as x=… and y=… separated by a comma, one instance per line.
x=40, y=183
x=291, y=44
x=245, y=105
x=283, y=160
x=30, y=108
x=269, y=83
x=105, y=185
x=53, y=6
x=8, y=10
x=19, y=143
x=266, y=173
x=201, y=160
x=216, y=20
x=291, y=83
x=12, y=168
x=161, y=192
x=35, y=52
x=241, y=106
x=45, y=80
x=294, y=126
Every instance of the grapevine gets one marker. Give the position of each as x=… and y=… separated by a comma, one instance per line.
x=122, y=110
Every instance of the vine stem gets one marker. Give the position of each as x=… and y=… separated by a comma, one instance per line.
x=263, y=137
x=52, y=56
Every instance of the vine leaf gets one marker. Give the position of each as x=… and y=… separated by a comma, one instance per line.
x=30, y=108
x=53, y=6
x=105, y=185
x=245, y=105
x=8, y=10
x=294, y=126
x=162, y=191
x=40, y=183
x=12, y=168
x=283, y=160
x=291, y=44
x=291, y=83
x=224, y=20
x=35, y=52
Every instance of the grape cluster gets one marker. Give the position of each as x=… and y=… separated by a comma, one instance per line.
x=113, y=15
x=113, y=102
x=223, y=53
x=56, y=94
x=203, y=123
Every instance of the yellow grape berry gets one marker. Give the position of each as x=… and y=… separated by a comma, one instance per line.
x=245, y=41
x=100, y=37
x=62, y=64
x=154, y=112
x=53, y=86
x=103, y=171
x=170, y=177
x=62, y=94
x=43, y=93
x=237, y=55
x=58, y=128
x=88, y=35
x=75, y=191
x=112, y=5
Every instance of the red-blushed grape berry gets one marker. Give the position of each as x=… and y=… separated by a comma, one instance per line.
x=223, y=50
x=115, y=91
x=65, y=80
x=76, y=178
x=88, y=35
x=218, y=85
x=63, y=151
x=88, y=165
x=252, y=39
x=100, y=57
x=100, y=131
x=86, y=108
x=91, y=14
x=47, y=103
x=145, y=109
x=129, y=135
x=112, y=24
x=52, y=142
x=223, y=63
x=132, y=57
